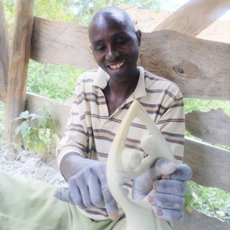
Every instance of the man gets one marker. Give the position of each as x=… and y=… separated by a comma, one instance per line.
x=101, y=101
x=102, y=98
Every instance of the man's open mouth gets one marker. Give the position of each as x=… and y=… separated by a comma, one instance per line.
x=117, y=66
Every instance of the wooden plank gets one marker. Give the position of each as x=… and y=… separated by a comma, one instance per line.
x=19, y=59
x=210, y=165
x=195, y=16
x=212, y=126
x=200, y=221
x=178, y=57
x=61, y=43
x=199, y=67
x=61, y=111
x=204, y=159
x=4, y=54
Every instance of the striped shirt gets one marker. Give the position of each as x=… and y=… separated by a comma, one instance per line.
x=90, y=129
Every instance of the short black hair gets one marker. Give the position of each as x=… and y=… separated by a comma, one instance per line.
x=114, y=12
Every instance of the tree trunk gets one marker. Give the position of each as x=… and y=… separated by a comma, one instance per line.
x=4, y=54
x=19, y=59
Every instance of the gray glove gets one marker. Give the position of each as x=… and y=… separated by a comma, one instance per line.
x=89, y=189
x=168, y=182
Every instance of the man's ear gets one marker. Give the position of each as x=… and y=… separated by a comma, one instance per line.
x=138, y=34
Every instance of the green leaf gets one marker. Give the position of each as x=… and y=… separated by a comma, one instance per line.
x=24, y=128
x=34, y=116
x=41, y=148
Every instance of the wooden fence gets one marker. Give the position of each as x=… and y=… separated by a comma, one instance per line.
x=200, y=68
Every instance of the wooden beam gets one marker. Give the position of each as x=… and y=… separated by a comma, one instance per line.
x=19, y=59
x=212, y=126
x=204, y=159
x=200, y=68
x=199, y=221
x=61, y=110
x=4, y=54
x=210, y=165
x=61, y=43
x=171, y=55
x=195, y=16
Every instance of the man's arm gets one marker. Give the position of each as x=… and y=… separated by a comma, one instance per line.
x=86, y=178
x=88, y=184
x=73, y=163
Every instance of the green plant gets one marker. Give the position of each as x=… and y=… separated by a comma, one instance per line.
x=205, y=105
x=211, y=201
x=53, y=81
x=38, y=131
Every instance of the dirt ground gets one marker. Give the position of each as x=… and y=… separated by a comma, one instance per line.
x=33, y=167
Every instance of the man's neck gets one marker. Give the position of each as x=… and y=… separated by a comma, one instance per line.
x=116, y=93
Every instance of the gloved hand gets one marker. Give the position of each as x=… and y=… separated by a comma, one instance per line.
x=165, y=185
x=89, y=189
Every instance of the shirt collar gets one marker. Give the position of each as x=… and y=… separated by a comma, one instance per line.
x=102, y=78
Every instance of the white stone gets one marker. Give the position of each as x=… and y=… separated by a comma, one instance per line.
x=41, y=172
x=221, y=213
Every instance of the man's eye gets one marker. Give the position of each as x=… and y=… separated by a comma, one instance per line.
x=100, y=48
x=121, y=42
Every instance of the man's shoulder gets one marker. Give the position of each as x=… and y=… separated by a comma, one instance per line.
x=153, y=80
x=87, y=76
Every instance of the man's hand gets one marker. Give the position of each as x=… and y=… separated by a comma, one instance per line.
x=89, y=189
x=168, y=182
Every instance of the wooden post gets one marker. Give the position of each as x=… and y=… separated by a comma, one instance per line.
x=195, y=16
x=4, y=54
x=19, y=58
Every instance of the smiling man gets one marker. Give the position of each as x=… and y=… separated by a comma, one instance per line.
x=102, y=98
x=115, y=43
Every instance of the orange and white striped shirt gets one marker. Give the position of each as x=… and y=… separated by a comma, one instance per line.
x=90, y=130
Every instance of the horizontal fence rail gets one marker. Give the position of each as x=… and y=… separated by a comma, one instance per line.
x=212, y=126
x=177, y=57
x=199, y=221
x=204, y=159
x=60, y=110
x=210, y=164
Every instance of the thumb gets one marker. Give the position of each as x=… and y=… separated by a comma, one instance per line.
x=111, y=208
x=163, y=167
x=64, y=194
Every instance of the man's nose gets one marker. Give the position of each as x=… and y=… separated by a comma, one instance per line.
x=111, y=53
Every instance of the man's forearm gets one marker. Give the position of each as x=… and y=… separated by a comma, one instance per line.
x=72, y=163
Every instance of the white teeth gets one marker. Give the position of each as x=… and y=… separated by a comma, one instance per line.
x=116, y=66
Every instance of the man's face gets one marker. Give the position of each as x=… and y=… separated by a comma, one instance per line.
x=115, y=47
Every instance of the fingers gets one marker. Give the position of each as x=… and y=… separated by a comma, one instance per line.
x=163, y=167
x=168, y=214
x=110, y=203
x=80, y=193
x=95, y=192
x=172, y=187
x=166, y=201
x=89, y=189
x=64, y=194
x=183, y=173
x=169, y=199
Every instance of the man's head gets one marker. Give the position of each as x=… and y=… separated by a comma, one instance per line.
x=115, y=43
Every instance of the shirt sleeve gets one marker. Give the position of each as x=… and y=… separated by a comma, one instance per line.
x=76, y=134
x=172, y=124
